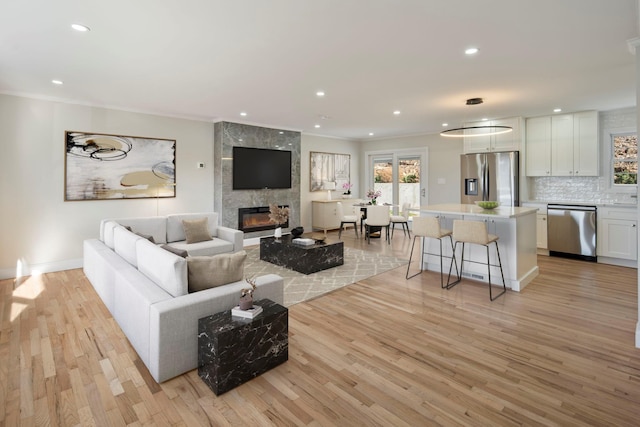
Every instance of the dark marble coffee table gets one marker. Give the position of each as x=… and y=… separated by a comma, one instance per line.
x=303, y=259
x=233, y=350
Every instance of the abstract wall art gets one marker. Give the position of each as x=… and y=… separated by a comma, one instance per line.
x=329, y=171
x=107, y=167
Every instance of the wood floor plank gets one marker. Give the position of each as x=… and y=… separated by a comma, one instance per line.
x=384, y=351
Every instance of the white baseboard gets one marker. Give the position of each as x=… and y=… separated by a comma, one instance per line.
x=33, y=269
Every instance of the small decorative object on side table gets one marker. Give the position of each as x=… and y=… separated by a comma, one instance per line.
x=246, y=295
x=297, y=232
x=233, y=350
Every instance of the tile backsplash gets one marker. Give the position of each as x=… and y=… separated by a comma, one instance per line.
x=576, y=189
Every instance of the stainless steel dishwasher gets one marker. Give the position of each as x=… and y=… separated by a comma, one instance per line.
x=571, y=231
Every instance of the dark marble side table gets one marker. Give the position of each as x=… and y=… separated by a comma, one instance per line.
x=303, y=259
x=233, y=350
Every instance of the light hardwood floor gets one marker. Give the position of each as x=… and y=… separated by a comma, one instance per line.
x=385, y=351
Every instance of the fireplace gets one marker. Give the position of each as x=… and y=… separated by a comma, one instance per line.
x=256, y=219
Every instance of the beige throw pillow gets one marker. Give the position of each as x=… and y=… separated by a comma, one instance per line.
x=196, y=230
x=210, y=271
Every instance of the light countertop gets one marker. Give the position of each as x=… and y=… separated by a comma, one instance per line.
x=460, y=209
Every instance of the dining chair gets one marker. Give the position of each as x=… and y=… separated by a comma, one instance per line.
x=402, y=219
x=378, y=217
x=346, y=219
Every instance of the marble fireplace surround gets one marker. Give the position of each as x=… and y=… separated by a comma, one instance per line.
x=227, y=201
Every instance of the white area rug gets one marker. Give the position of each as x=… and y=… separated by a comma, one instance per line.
x=358, y=265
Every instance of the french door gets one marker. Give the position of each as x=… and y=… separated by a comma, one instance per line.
x=399, y=176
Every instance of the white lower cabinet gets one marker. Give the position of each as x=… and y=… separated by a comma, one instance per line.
x=617, y=236
x=541, y=231
x=541, y=226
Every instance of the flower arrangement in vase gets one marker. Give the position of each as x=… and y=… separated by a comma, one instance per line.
x=373, y=195
x=347, y=189
x=278, y=215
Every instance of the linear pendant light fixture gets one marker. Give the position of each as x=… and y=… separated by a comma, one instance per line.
x=472, y=131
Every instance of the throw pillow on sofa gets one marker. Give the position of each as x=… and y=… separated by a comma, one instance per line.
x=196, y=230
x=179, y=252
x=210, y=271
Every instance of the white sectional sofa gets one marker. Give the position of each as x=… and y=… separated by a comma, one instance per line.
x=145, y=287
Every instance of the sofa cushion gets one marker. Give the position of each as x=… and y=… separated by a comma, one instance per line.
x=155, y=226
x=124, y=244
x=196, y=230
x=209, y=248
x=217, y=270
x=175, y=231
x=167, y=270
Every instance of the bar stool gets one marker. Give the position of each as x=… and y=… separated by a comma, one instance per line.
x=475, y=232
x=429, y=227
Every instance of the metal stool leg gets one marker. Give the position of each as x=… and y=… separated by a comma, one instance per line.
x=504, y=285
x=459, y=272
x=411, y=256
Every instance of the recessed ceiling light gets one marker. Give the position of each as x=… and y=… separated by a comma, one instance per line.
x=396, y=113
x=56, y=82
x=370, y=133
x=445, y=124
x=484, y=119
x=317, y=126
x=471, y=51
x=80, y=27
x=320, y=93
x=243, y=114
x=557, y=110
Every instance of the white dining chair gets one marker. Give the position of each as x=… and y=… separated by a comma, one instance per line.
x=402, y=219
x=378, y=216
x=346, y=219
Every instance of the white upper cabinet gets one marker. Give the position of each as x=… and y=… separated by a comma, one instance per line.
x=479, y=142
x=538, y=146
x=562, y=145
x=585, y=144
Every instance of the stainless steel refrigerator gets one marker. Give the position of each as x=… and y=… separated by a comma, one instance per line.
x=490, y=176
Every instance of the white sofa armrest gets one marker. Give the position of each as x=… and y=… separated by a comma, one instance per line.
x=231, y=235
x=173, y=348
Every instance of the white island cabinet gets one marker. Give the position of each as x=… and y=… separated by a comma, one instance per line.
x=516, y=228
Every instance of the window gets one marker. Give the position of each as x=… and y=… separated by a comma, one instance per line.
x=625, y=158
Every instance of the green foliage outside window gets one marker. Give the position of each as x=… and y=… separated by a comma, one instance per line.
x=625, y=159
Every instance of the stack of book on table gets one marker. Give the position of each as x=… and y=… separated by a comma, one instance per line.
x=303, y=241
x=250, y=313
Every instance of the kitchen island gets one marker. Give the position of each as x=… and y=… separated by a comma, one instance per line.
x=516, y=228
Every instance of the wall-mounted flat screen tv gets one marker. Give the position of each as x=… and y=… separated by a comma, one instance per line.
x=259, y=168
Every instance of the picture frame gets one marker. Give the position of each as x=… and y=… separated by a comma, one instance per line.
x=327, y=168
x=101, y=166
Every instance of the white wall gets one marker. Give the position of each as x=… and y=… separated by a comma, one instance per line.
x=325, y=145
x=37, y=227
x=444, y=163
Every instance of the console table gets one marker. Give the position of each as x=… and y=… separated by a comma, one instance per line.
x=303, y=259
x=233, y=350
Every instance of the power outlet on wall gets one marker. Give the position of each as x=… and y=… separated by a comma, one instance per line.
x=200, y=165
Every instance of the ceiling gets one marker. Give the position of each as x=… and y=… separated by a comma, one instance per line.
x=213, y=59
